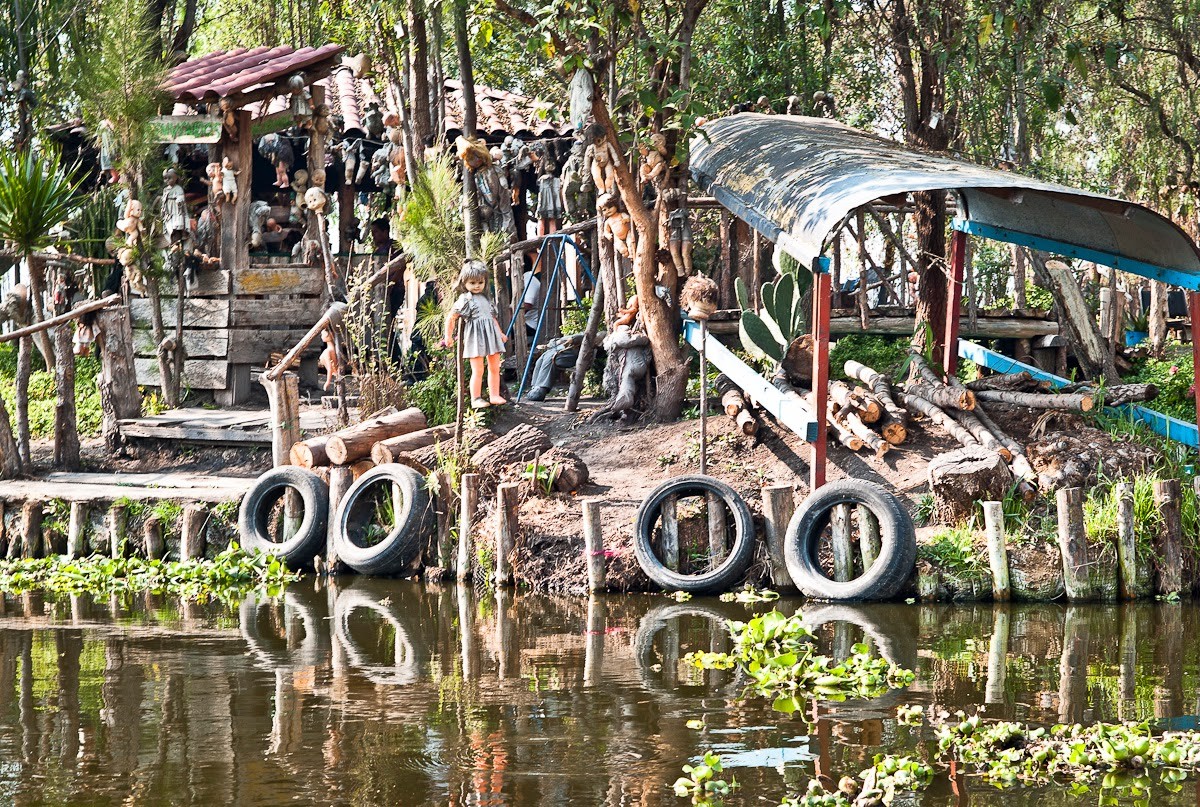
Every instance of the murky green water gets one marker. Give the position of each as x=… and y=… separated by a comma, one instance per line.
x=391, y=693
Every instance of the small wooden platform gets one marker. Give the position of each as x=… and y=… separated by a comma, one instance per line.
x=220, y=426
x=87, y=487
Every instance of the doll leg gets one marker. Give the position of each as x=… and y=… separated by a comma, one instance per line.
x=476, y=378
x=493, y=362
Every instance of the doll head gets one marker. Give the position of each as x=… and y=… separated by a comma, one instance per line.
x=227, y=163
x=171, y=177
x=607, y=204
x=213, y=170
x=473, y=277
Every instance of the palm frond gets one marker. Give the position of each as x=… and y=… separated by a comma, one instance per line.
x=36, y=194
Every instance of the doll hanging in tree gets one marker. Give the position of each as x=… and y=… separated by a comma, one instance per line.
x=482, y=336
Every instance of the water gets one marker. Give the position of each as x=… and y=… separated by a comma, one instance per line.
x=384, y=692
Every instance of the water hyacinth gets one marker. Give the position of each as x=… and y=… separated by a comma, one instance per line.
x=779, y=654
x=228, y=577
x=878, y=785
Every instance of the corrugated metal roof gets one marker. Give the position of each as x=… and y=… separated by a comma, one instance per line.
x=225, y=73
x=795, y=178
x=499, y=113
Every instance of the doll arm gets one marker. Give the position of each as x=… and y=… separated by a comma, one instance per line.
x=500, y=329
x=451, y=324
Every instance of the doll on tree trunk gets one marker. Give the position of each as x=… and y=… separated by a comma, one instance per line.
x=482, y=337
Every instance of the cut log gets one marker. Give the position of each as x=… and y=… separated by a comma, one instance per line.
x=387, y=450
x=870, y=408
x=850, y=419
x=732, y=400
x=880, y=386
x=797, y=362
x=892, y=429
x=942, y=396
x=960, y=478
x=1013, y=382
x=360, y=467
x=310, y=453
x=918, y=405
x=519, y=445
x=934, y=379
x=844, y=435
x=1073, y=402
x=981, y=433
x=747, y=422
x=1020, y=463
x=570, y=472
x=354, y=443
x=1120, y=394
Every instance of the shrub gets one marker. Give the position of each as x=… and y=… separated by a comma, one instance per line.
x=883, y=354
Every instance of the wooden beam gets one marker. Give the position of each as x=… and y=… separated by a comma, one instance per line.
x=820, y=369
x=958, y=259
x=74, y=313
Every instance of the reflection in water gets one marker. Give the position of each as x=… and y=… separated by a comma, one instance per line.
x=380, y=692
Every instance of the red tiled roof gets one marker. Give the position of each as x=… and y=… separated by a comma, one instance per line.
x=224, y=73
x=498, y=112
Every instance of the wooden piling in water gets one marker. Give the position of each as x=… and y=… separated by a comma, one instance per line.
x=718, y=545
x=445, y=518
x=669, y=533
x=31, y=529
x=468, y=503
x=593, y=545
x=340, y=479
x=593, y=649
x=997, y=670
x=76, y=530
x=779, y=503
x=118, y=523
x=1072, y=543
x=870, y=544
x=152, y=539
x=191, y=542
x=1126, y=542
x=1169, y=565
x=507, y=507
x=842, y=544
x=993, y=520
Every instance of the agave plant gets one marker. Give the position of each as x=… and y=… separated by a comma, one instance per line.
x=36, y=195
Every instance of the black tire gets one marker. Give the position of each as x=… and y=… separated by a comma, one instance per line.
x=897, y=556
x=410, y=660
x=299, y=550
x=721, y=578
x=656, y=619
x=294, y=652
x=412, y=524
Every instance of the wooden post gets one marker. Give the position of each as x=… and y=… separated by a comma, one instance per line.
x=958, y=259
x=117, y=382
x=192, y=543
x=669, y=542
x=117, y=525
x=718, y=546
x=516, y=270
x=593, y=545
x=868, y=537
x=997, y=656
x=468, y=504
x=235, y=221
x=507, y=508
x=993, y=519
x=152, y=538
x=1194, y=312
x=820, y=370
x=593, y=650
x=1072, y=666
x=843, y=547
x=779, y=502
x=445, y=548
x=31, y=529
x=1127, y=666
x=340, y=479
x=1072, y=543
x=283, y=397
x=587, y=350
x=77, y=531
x=1126, y=542
x=1170, y=549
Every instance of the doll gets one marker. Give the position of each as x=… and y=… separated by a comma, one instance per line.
x=679, y=231
x=229, y=181
x=329, y=358
x=229, y=119
x=482, y=337
x=616, y=225
x=299, y=187
x=174, y=207
x=549, y=205
x=279, y=153
x=131, y=224
x=654, y=158
x=212, y=173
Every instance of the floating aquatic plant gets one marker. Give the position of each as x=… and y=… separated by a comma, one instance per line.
x=888, y=777
x=701, y=782
x=779, y=655
x=228, y=577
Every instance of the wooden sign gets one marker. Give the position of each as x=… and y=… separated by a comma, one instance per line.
x=185, y=129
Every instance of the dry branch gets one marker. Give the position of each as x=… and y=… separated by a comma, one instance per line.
x=920, y=406
x=879, y=385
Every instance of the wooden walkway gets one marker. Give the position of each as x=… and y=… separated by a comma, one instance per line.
x=88, y=487
x=220, y=426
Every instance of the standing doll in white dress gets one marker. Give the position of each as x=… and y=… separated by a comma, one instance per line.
x=482, y=337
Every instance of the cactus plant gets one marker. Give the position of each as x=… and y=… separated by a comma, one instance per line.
x=780, y=319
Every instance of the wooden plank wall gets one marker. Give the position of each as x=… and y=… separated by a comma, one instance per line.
x=233, y=320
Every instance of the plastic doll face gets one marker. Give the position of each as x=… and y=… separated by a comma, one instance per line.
x=475, y=286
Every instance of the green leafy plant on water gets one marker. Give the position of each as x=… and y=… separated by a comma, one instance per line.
x=56, y=516
x=779, y=655
x=228, y=577
x=701, y=782
x=750, y=595
x=888, y=777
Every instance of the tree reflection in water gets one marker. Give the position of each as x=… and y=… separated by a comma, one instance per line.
x=383, y=692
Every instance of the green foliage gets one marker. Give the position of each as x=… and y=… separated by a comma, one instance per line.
x=778, y=654
x=56, y=515
x=431, y=229
x=575, y=318
x=229, y=577
x=701, y=781
x=883, y=354
x=41, y=393
x=168, y=512
x=1036, y=297
x=36, y=195
x=434, y=394
x=1173, y=375
x=782, y=317
x=541, y=475
x=954, y=552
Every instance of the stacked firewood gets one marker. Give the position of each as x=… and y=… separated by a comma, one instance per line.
x=736, y=406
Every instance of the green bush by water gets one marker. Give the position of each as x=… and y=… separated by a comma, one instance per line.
x=41, y=393
x=1173, y=375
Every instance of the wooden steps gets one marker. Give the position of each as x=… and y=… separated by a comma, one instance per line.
x=91, y=487
x=219, y=427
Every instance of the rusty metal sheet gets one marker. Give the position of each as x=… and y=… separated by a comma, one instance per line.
x=795, y=178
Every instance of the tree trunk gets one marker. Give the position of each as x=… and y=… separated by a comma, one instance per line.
x=466, y=75
x=66, y=428
x=1077, y=318
x=1158, y=316
x=930, y=218
x=165, y=369
x=117, y=382
x=10, y=457
x=354, y=443
x=37, y=300
x=519, y=445
x=24, y=366
x=418, y=75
